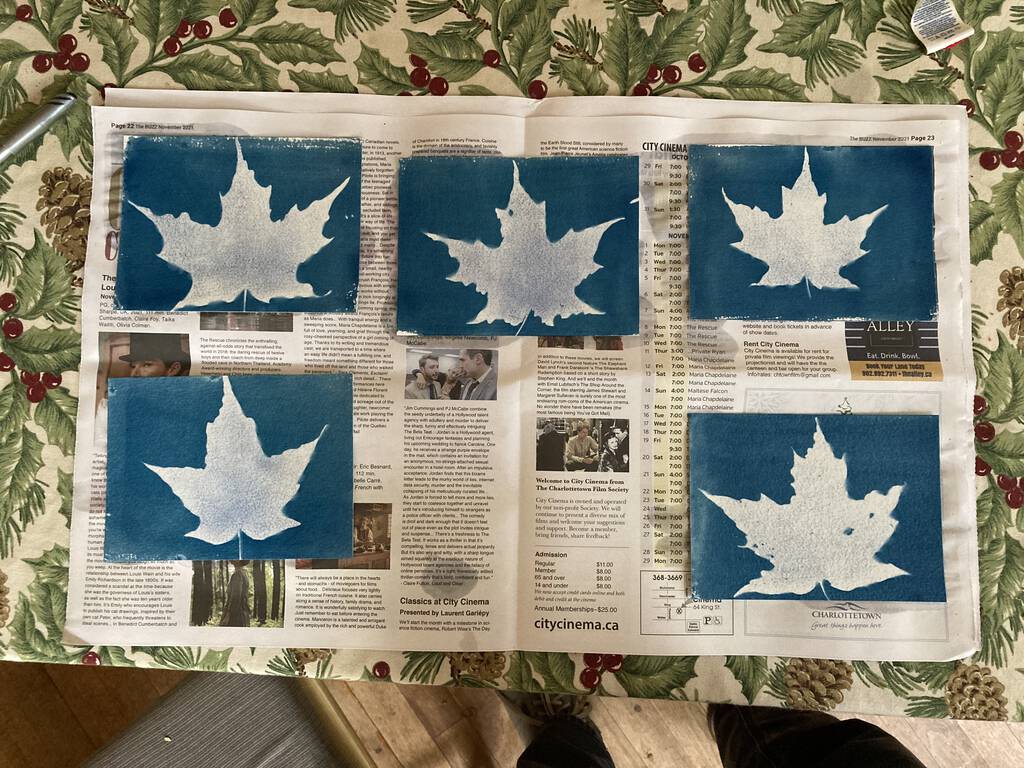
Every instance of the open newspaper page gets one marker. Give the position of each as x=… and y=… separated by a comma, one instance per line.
x=591, y=524
x=605, y=550
x=433, y=547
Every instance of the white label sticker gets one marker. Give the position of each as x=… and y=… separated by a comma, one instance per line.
x=937, y=24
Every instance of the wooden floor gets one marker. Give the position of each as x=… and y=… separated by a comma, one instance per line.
x=55, y=716
x=58, y=715
x=431, y=727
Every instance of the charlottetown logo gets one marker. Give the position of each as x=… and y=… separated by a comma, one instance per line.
x=846, y=610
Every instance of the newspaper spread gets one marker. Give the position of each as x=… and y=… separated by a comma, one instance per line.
x=460, y=543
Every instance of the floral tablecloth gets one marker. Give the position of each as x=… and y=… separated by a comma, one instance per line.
x=852, y=50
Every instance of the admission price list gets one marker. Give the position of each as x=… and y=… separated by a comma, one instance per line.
x=665, y=520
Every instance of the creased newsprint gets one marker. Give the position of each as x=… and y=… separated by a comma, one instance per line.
x=554, y=516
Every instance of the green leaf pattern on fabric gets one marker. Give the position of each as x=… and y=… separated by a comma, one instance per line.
x=850, y=50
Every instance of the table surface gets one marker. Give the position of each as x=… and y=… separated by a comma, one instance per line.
x=853, y=50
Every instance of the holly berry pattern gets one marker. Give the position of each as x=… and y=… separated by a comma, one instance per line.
x=700, y=49
x=13, y=328
x=537, y=89
x=202, y=29
x=420, y=77
x=438, y=86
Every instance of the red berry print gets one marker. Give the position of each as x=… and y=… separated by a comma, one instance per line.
x=419, y=77
x=91, y=659
x=537, y=89
x=592, y=660
x=612, y=662
x=968, y=105
x=8, y=301
x=492, y=58
x=172, y=46
x=52, y=380
x=641, y=89
x=28, y=377
x=418, y=62
x=405, y=93
x=35, y=392
x=438, y=86
x=62, y=61
x=67, y=43
x=184, y=28
x=104, y=87
x=42, y=62
x=6, y=363
x=984, y=432
x=1006, y=483
x=672, y=74
x=79, y=62
x=696, y=63
x=227, y=18
x=989, y=160
x=981, y=467
x=13, y=328
x=23, y=12
x=1015, y=498
x=590, y=678
x=980, y=405
x=653, y=74
x=202, y=29
x=381, y=670
x=1009, y=158
x=1013, y=140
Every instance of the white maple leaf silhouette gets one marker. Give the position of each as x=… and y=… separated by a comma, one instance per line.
x=240, y=489
x=246, y=251
x=527, y=272
x=799, y=245
x=821, y=535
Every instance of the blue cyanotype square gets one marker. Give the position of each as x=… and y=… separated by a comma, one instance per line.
x=811, y=233
x=794, y=507
x=496, y=246
x=226, y=468
x=239, y=223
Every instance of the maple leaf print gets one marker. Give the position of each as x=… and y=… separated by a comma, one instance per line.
x=821, y=535
x=240, y=489
x=527, y=272
x=799, y=245
x=246, y=251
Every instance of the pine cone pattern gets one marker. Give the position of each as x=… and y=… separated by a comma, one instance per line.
x=304, y=656
x=483, y=666
x=64, y=199
x=5, y=603
x=1011, y=302
x=816, y=684
x=974, y=693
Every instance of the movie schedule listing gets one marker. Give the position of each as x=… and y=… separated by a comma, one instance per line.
x=537, y=492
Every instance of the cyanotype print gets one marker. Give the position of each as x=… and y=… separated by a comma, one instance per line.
x=243, y=224
x=215, y=468
x=811, y=233
x=816, y=507
x=494, y=246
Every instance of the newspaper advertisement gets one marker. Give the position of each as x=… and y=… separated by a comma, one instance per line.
x=491, y=523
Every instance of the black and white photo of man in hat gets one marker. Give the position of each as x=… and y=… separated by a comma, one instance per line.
x=148, y=355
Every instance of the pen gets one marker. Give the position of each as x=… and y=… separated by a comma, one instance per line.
x=40, y=120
